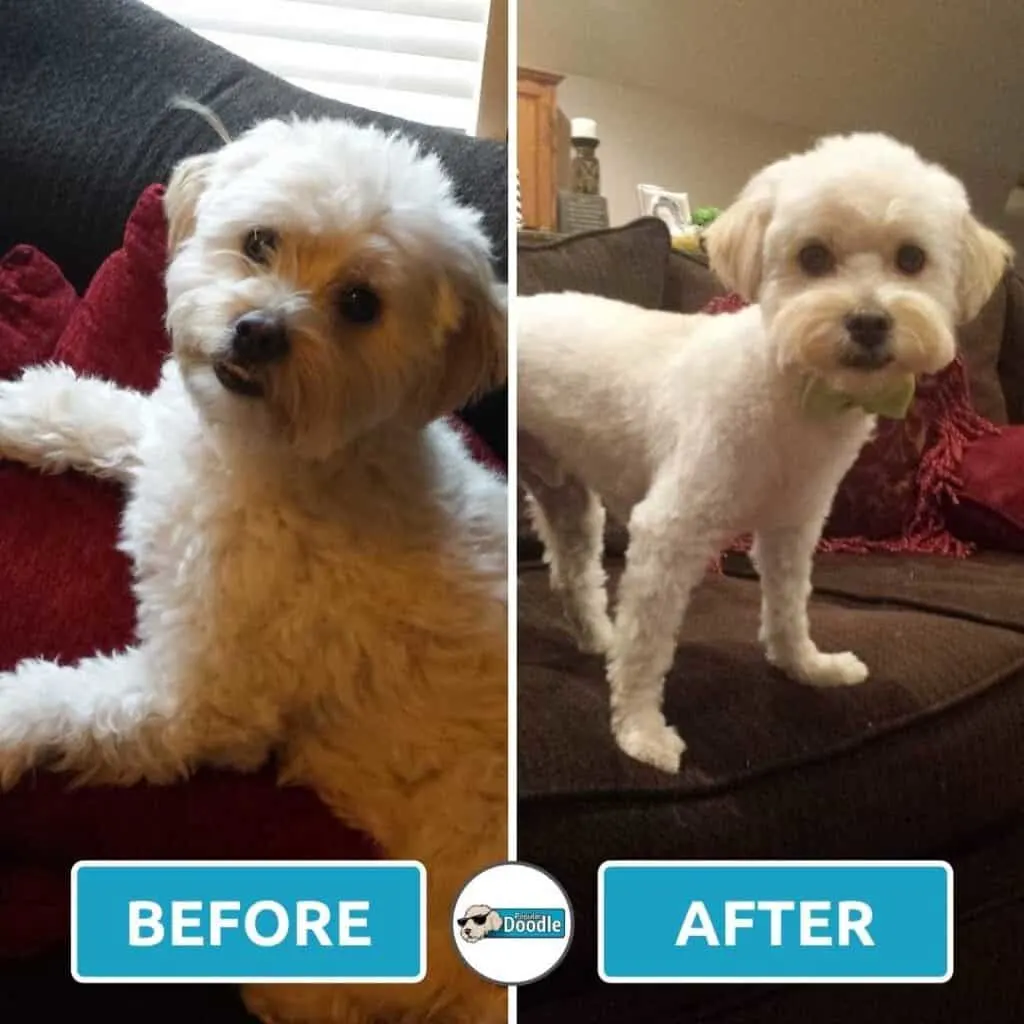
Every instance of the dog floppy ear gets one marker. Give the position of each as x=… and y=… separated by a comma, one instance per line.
x=983, y=261
x=493, y=922
x=188, y=179
x=473, y=311
x=735, y=240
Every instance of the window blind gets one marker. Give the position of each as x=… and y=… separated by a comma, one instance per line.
x=417, y=59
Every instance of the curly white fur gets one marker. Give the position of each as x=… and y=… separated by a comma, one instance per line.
x=320, y=567
x=691, y=429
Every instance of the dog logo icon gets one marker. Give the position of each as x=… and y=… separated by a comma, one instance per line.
x=477, y=922
x=522, y=936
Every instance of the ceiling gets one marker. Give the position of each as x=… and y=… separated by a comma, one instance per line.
x=944, y=75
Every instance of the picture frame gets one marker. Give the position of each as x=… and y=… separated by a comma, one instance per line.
x=671, y=207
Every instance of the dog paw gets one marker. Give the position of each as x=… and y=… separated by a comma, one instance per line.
x=825, y=670
x=647, y=738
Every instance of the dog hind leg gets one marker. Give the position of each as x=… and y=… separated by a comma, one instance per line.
x=53, y=420
x=569, y=519
x=666, y=558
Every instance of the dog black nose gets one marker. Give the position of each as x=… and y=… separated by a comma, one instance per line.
x=259, y=338
x=869, y=330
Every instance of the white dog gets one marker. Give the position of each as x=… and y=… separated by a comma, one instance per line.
x=478, y=922
x=696, y=429
x=319, y=565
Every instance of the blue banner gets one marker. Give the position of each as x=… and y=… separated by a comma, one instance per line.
x=775, y=921
x=160, y=921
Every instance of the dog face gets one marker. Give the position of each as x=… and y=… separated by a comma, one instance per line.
x=324, y=281
x=863, y=257
x=478, y=921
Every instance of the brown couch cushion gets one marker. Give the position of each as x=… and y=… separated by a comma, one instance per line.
x=987, y=985
x=1011, y=354
x=923, y=755
x=980, y=342
x=689, y=284
x=625, y=263
x=959, y=624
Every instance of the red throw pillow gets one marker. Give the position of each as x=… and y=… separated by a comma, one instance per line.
x=895, y=495
x=62, y=597
x=35, y=305
x=987, y=508
x=69, y=586
x=117, y=330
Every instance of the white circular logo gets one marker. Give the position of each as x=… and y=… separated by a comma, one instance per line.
x=512, y=923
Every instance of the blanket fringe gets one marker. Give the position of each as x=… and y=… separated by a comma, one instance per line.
x=955, y=425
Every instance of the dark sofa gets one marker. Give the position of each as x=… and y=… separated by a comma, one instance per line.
x=925, y=760
x=85, y=126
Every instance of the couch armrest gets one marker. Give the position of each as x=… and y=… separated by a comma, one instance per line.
x=85, y=126
x=85, y=123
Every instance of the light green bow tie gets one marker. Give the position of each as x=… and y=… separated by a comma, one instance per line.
x=820, y=400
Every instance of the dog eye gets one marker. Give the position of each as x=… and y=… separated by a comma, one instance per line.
x=259, y=245
x=816, y=260
x=359, y=305
x=910, y=259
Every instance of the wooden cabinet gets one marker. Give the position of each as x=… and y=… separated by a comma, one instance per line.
x=536, y=109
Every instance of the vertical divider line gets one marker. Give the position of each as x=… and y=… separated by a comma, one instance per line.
x=513, y=588
x=512, y=446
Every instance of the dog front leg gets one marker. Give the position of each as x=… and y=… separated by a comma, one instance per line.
x=104, y=719
x=666, y=559
x=55, y=421
x=784, y=558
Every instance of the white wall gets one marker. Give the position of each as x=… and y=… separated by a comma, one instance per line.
x=946, y=77
x=646, y=137
x=682, y=127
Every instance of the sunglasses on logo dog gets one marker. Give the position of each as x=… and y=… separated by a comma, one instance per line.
x=476, y=919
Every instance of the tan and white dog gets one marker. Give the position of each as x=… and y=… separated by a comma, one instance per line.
x=320, y=567
x=862, y=259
